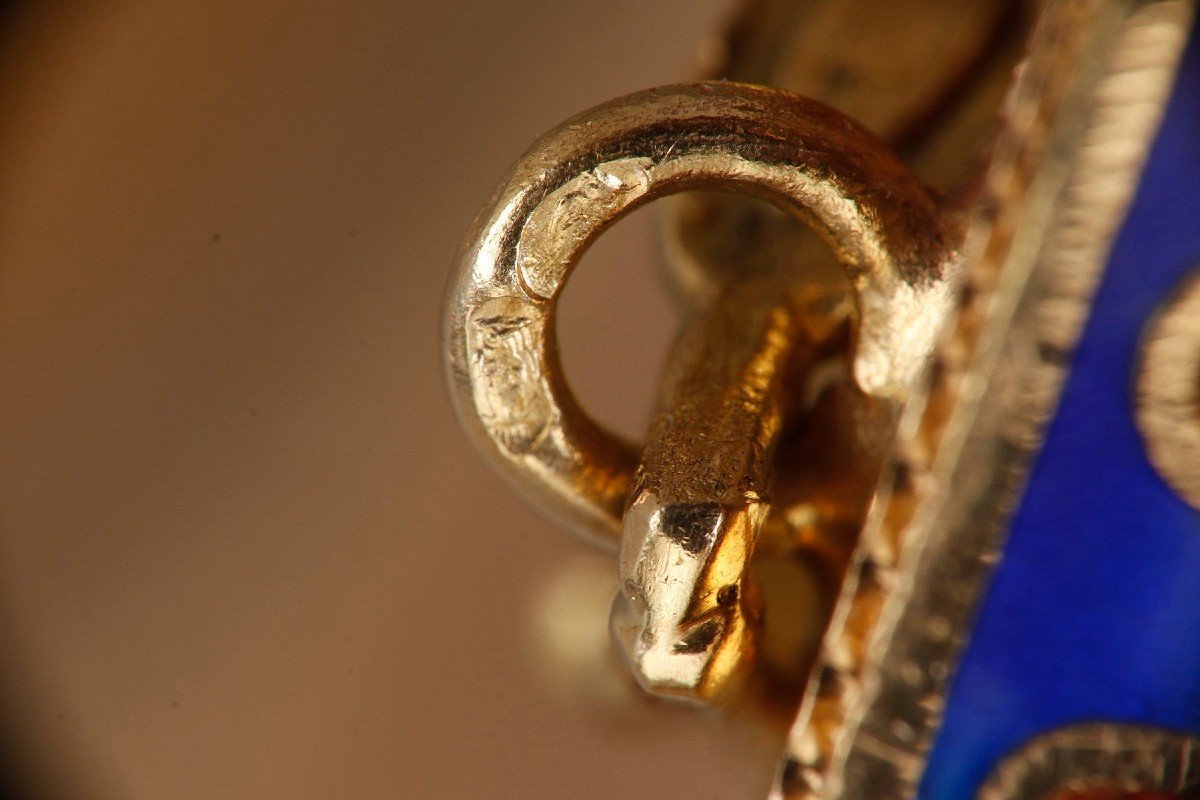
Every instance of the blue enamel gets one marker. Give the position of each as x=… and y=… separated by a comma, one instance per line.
x=1094, y=611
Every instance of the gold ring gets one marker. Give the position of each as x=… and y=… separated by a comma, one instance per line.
x=886, y=230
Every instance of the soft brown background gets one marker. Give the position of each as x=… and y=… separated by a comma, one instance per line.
x=244, y=549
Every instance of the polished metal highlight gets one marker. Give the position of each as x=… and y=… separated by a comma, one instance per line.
x=875, y=422
x=691, y=526
x=580, y=178
x=1168, y=392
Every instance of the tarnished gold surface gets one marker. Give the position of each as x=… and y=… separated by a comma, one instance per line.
x=788, y=414
x=831, y=461
x=894, y=241
x=1168, y=391
x=870, y=60
x=580, y=178
x=771, y=317
x=744, y=366
x=688, y=613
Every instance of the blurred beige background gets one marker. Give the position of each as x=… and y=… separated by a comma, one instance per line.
x=244, y=549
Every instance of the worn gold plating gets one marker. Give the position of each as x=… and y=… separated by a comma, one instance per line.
x=795, y=421
x=683, y=628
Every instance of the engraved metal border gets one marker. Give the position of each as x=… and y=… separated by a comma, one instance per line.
x=1078, y=126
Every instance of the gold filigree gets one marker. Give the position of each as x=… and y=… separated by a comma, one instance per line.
x=1078, y=125
x=1099, y=760
x=1168, y=391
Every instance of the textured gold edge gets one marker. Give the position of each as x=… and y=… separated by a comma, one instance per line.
x=895, y=241
x=1077, y=128
x=1168, y=391
x=1097, y=756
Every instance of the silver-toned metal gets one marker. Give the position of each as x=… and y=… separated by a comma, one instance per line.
x=1078, y=125
x=762, y=295
x=1099, y=759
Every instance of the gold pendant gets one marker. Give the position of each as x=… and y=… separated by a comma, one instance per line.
x=839, y=405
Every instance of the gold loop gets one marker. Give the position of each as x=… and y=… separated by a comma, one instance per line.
x=581, y=177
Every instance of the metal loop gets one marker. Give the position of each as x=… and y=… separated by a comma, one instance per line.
x=502, y=361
